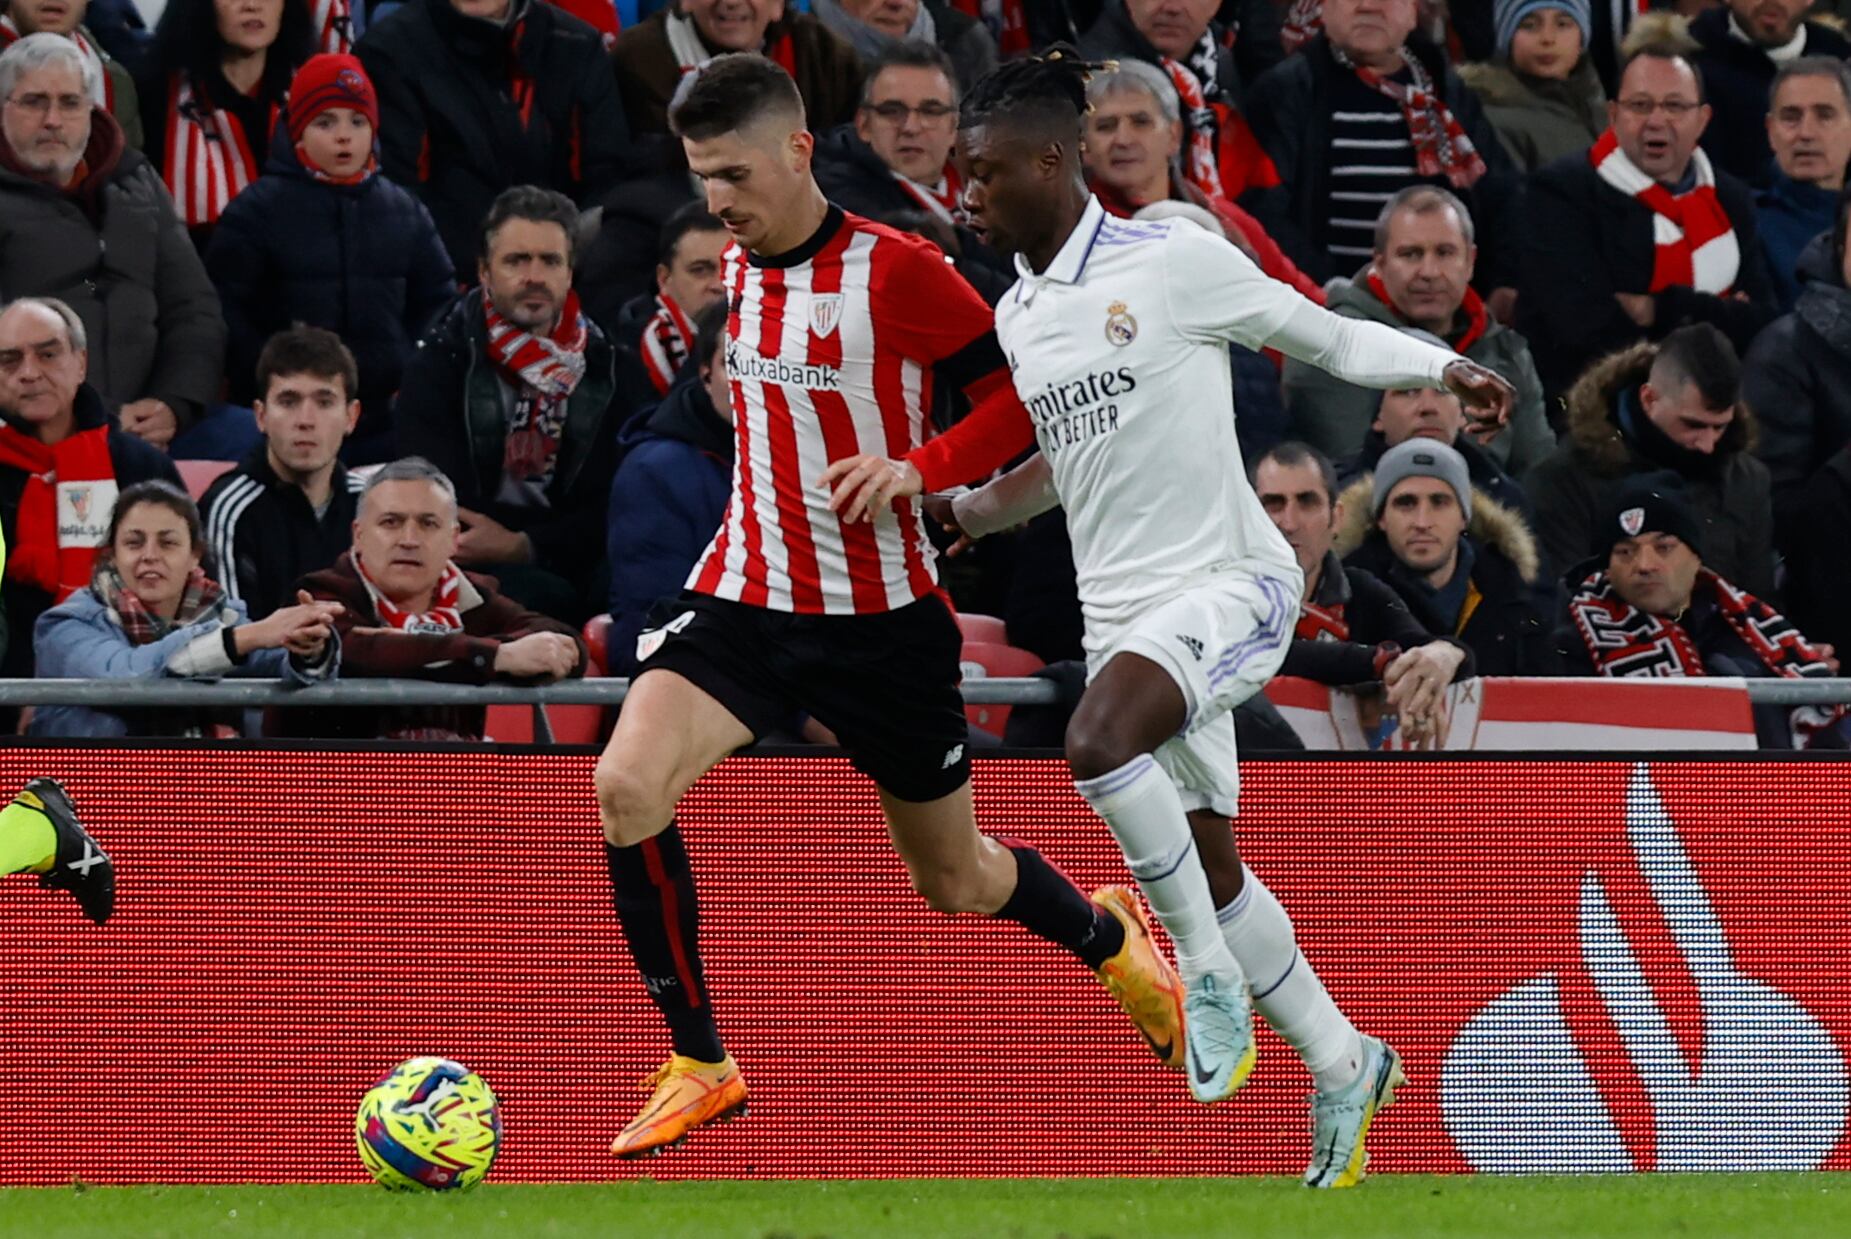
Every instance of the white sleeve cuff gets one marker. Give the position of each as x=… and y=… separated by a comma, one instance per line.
x=204, y=655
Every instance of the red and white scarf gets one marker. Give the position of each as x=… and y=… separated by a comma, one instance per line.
x=1303, y=19
x=684, y=39
x=105, y=92
x=1441, y=147
x=1622, y=640
x=667, y=337
x=64, y=509
x=209, y=158
x=544, y=370
x=332, y=21
x=444, y=615
x=1478, y=319
x=940, y=199
x=1695, y=245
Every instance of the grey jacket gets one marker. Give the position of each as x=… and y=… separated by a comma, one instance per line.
x=130, y=272
x=1538, y=121
x=1335, y=416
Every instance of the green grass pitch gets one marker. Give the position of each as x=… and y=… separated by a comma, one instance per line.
x=1411, y=1206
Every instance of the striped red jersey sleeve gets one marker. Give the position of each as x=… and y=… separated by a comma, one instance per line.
x=930, y=315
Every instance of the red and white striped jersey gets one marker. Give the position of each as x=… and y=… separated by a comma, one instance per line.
x=831, y=351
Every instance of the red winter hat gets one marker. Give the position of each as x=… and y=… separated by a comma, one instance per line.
x=329, y=81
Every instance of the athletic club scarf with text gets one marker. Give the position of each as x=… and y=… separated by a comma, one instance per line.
x=444, y=614
x=1622, y=640
x=105, y=92
x=666, y=341
x=544, y=370
x=1441, y=147
x=64, y=509
x=209, y=158
x=1695, y=245
x=1478, y=319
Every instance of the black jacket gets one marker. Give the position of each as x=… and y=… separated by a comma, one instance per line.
x=1287, y=117
x=1736, y=79
x=1376, y=616
x=363, y=261
x=1728, y=489
x=1511, y=631
x=1797, y=379
x=1584, y=241
x=618, y=264
x=263, y=535
x=453, y=410
x=132, y=460
x=1251, y=25
x=450, y=131
x=1818, y=589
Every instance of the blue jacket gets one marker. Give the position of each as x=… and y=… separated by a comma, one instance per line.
x=363, y=261
x=1788, y=215
x=667, y=500
x=81, y=639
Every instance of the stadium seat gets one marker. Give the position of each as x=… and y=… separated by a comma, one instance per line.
x=985, y=628
x=596, y=634
x=199, y=474
x=981, y=659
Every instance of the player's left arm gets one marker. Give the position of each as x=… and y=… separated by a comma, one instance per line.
x=1222, y=295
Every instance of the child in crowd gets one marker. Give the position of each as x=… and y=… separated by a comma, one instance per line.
x=1541, y=93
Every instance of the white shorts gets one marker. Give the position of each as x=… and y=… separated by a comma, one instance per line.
x=1221, y=640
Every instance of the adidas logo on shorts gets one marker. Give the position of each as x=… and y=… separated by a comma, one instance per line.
x=1194, y=646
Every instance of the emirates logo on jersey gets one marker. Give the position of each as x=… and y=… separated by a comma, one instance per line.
x=825, y=313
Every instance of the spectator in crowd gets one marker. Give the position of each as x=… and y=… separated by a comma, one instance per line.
x=1741, y=46
x=68, y=187
x=1133, y=131
x=323, y=239
x=1420, y=275
x=1364, y=110
x=1641, y=235
x=408, y=610
x=670, y=492
x=288, y=508
x=1433, y=413
x=1671, y=406
x=1209, y=69
x=151, y=611
x=875, y=27
x=660, y=328
x=515, y=396
x=1649, y=604
x=1542, y=93
x=653, y=55
x=1798, y=382
x=1352, y=630
x=1465, y=566
x=220, y=81
x=476, y=96
x=55, y=427
x=116, y=93
x=1809, y=125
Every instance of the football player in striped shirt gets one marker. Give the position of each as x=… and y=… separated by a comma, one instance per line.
x=1117, y=334
x=837, y=333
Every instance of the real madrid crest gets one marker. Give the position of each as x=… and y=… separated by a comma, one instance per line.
x=1120, y=328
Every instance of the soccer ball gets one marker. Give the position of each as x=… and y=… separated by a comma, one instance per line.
x=431, y=1123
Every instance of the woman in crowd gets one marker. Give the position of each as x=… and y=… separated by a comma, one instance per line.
x=220, y=82
x=1541, y=93
x=151, y=612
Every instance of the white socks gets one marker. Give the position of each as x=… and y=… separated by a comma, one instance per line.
x=1146, y=815
x=1286, y=991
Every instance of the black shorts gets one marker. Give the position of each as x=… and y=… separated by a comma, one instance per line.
x=886, y=684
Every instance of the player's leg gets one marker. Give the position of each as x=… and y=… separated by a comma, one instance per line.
x=1132, y=707
x=40, y=833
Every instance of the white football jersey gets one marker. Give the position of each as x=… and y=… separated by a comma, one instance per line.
x=1119, y=350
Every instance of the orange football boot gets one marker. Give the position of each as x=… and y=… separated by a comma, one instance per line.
x=687, y=1094
x=1141, y=979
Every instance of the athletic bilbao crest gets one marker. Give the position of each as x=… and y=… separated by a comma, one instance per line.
x=825, y=313
x=1585, y=1070
x=1632, y=520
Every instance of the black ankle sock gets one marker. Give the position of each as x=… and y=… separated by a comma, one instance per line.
x=1046, y=903
x=653, y=888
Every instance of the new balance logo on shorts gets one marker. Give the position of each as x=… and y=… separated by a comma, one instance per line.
x=951, y=758
x=1194, y=646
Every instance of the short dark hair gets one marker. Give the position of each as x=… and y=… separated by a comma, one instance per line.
x=1047, y=92
x=1702, y=355
x=1291, y=454
x=709, y=331
x=909, y=54
x=536, y=205
x=1422, y=200
x=163, y=495
x=1661, y=50
x=1811, y=66
x=730, y=92
x=693, y=217
x=301, y=349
